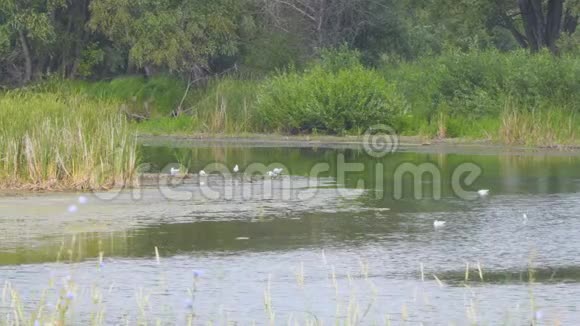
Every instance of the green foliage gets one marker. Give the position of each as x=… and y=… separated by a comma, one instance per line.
x=462, y=94
x=476, y=84
x=172, y=34
x=349, y=100
x=272, y=50
x=51, y=141
x=550, y=124
x=91, y=56
x=157, y=96
x=337, y=59
x=31, y=18
x=225, y=105
x=169, y=126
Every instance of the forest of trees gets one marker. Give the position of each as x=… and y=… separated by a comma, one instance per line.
x=97, y=39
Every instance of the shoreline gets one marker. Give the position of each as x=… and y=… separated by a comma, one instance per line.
x=405, y=143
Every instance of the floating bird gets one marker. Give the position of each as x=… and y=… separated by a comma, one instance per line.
x=483, y=192
x=202, y=173
x=174, y=171
x=278, y=171
x=439, y=224
x=236, y=169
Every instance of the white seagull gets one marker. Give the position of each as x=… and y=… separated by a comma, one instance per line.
x=174, y=171
x=202, y=173
x=236, y=169
x=278, y=170
x=483, y=192
x=439, y=224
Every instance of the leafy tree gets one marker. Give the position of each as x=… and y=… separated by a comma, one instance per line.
x=176, y=35
x=533, y=24
x=26, y=25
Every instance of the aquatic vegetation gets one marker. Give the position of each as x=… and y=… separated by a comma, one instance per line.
x=51, y=141
x=355, y=300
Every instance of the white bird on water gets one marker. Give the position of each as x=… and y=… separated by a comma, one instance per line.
x=202, y=173
x=439, y=224
x=236, y=169
x=278, y=170
x=174, y=171
x=483, y=192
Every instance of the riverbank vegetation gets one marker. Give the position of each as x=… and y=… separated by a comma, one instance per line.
x=52, y=142
x=437, y=69
x=512, y=98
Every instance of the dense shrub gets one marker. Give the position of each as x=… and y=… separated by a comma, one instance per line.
x=320, y=100
x=478, y=84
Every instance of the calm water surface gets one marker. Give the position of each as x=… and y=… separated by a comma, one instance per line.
x=299, y=248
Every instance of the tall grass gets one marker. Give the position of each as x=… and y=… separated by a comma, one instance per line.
x=453, y=95
x=55, y=141
x=544, y=126
x=214, y=105
x=157, y=96
x=465, y=95
x=225, y=105
x=221, y=105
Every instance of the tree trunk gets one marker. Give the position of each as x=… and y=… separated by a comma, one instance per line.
x=508, y=23
x=534, y=24
x=554, y=23
x=570, y=22
x=27, y=57
x=81, y=12
x=542, y=31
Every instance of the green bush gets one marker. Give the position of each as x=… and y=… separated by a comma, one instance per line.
x=158, y=95
x=478, y=84
x=349, y=100
x=338, y=59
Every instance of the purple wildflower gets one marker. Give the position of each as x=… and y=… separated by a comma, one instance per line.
x=73, y=209
x=70, y=295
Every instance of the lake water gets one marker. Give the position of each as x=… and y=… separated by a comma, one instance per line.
x=314, y=245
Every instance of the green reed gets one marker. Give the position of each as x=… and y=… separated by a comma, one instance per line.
x=53, y=142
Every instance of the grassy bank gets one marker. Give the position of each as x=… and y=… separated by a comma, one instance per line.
x=71, y=134
x=509, y=98
x=51, y=141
